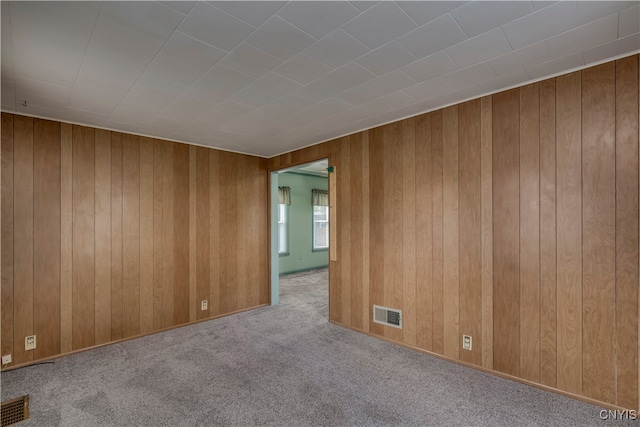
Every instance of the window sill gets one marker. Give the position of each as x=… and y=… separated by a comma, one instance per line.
x=283, y=254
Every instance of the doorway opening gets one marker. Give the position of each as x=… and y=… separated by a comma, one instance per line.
x=300, y=235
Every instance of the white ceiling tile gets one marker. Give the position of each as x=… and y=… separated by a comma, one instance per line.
x=8, y=92
x=318, y=111
x=479, y=49
x=252, y=97
x=302, y=68
x=37, y=111
x=555, y=66
x=547, y=22
x=132, y=114
x=148, y=17
x=84, y=117
x=318, y=18
x=469, y=76
x=426, y=11
x=428, y=89
x=244, y=124
x=83, y=14
x=379, y=25
x=363, y=5
x=432, y=66
x=377, y=88
x=183, y=59
x=150, y=91
x=226, y=112
x=538, y=4
x=181, y=6
x=219, y=84
x=629, y=21
x=213, y=26
x=433, y=37
x=275, y=85
x=386, y=58
x=337, y=81
x=280, y=39
x=186, y=108
x=40, y=101
x=252, y=12
x=94, y=99
x=519, y=59
x=284, y=106
x=590, y=10
x=160, y=126
x=477, y=17
x=35, y=87
x=336, y=49
x=619, y=47
x=250, y=61
x=601, y=31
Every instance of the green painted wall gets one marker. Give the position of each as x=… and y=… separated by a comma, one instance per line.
x=301, y=256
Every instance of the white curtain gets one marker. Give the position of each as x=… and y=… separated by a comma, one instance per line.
x=284, y=195
x=320, y=197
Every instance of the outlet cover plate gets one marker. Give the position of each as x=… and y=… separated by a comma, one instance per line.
x=6, y=359
x=204, y=304
x=467, y=342
x=30, y=342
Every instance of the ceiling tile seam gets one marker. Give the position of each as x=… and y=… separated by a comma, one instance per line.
x=293, y=25
x=335, y=68
x=406, y=13
x=245, y=22
x=264, y=93
x=459, y=26
x=507, y=39
x=179, y=11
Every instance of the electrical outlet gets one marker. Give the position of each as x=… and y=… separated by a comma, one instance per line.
x=204, y=304
x=6, y=359
x=30, y=342
x=466, y=342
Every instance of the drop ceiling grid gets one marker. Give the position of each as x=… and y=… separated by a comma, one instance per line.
x=268, y=77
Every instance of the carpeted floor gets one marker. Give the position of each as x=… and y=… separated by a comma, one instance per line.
x=285, y=366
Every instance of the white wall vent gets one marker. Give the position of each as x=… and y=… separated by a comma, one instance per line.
x=387, y=316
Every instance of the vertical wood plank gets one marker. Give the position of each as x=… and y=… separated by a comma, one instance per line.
x=131, y=235
x=424, y=238
x=262, y=186
x=344, y=230
x=181, y=233
x=193, y=309
x=146, y=235
x=598, y=232
x=530, y=232
x=409, y=230
x=116, y=236
x=376, y=219
x=335, y=264
x=486, y=188
x=6, y=190
x=396, y=198
x=506, y=257
x=569, y=232
x=470, y=228
x=254, y=242
x=228, y=244
x=451, y=236
x=202, y=223
x=548, y=306
x=242, y=256
x=627, y=231
x=66, y=241
x=102, y=191
x=83, y=237
x=167, y=239
x=158, y=226
x=356, y=252
x=214, y=230
x=366, y=214
x=438, y=238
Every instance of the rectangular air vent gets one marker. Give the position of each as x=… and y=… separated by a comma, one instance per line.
x=14, y=411
x=387, y=316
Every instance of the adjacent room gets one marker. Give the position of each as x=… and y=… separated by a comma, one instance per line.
x=320, y=213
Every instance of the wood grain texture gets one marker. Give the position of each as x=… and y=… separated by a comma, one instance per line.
x=167, y=239
x=366, y=223
x=486, y=188
x=627, y=232
x=180, y=233
x=146, y=235
x=214, y=230
x=242, y=216
x=506, y=229
x=102, y=191
x=450, y=205
x=409, y=231
x=66, y=238
x=424, y=238
x=263, y=233
x=530, y=232
x=548, y=306
x=344, y=238
x=46, y=237
x=193, y=309
x=130, y=235
x=335, y=196
x=470, y=234
x=228, y=214
x=6, y=191
x=569, y=232
x=116, y=236
x=356, y=232
x=158, y=233
x=202, y=224
x=438, y=254
x=83, y=237
x=396, y=197
x=376, y=217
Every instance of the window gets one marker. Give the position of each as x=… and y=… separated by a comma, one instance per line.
x=283, y=238
x=320, y=227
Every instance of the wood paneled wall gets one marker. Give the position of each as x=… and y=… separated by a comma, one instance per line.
x=512, y=218
x=108, y=236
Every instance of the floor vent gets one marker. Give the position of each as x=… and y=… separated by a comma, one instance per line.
x=14, y=411
x=387, y=316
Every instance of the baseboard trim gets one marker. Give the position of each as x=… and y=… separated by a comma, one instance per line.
x=490, y=371
x=121, y=340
